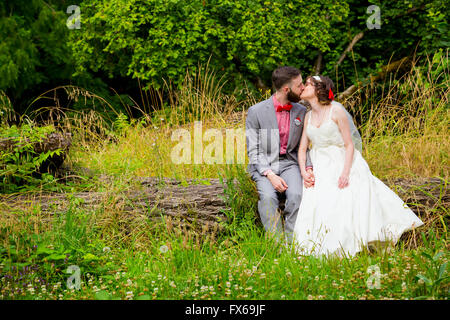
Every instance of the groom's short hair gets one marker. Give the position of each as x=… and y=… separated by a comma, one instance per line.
x=282, y=75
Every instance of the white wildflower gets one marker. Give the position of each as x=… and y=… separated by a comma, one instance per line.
x=130, y=295
x=163, y=249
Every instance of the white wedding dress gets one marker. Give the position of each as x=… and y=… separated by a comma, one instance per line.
x=342, y=221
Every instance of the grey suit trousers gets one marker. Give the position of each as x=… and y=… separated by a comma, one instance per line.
x=269, y=200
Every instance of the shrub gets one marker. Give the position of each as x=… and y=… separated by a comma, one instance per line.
x=19, y=162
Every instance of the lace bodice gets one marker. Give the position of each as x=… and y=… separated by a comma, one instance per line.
x=326, y=135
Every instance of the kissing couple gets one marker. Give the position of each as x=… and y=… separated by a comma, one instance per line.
x=334, y=205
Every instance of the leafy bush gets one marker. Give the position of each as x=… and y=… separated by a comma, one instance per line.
x=246, y=40
x=19, y=163
x=33, y=52
x=29, y=260
x=161, y=39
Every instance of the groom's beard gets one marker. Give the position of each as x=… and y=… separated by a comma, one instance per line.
x=292, y=97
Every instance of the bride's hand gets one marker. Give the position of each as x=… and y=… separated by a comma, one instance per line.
x=308, y=178
x=343, y=181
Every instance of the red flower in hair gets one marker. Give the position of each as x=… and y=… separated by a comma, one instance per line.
x=330, y=95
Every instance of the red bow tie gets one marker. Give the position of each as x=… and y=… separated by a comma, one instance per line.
x=286, y=107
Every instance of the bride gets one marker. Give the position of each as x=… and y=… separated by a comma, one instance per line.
x=347, y=207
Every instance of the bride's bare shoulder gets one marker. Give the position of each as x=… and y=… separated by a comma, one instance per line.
x=339, y=112
x=307, y=115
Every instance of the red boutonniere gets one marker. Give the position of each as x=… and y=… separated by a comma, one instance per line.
x=297, y=121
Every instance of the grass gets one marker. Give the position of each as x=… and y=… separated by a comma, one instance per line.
x=405, y=131
x=175, y=264
x=125, y=255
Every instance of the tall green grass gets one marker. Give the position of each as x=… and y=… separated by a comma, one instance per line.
x=405, y=129
x=178, y=265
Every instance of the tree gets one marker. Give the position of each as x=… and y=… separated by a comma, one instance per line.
x=408, y=28
x=158, y=40
x=33, y=50
x=155, y=40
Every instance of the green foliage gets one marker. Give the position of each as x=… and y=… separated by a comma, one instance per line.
x=19, y=163
x=254, y=268
x=408, y=28
x=31, y=260
x=35, y=56
x=6, y=110
x=121, y=124
x=160, y=40
x=241, y=199
x=32, y=50
x=246, y=40
x=437, y=278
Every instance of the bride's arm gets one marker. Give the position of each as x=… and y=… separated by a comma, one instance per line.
x=344, y=128
x=304, y=143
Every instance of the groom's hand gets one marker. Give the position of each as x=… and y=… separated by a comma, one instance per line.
x=277, y=182
x=309, y=179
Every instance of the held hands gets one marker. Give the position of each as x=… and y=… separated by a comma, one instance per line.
x=280, y=185
x=308, y=178
x=343, y=181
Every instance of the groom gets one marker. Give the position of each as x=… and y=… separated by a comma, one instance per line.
x=273, y=131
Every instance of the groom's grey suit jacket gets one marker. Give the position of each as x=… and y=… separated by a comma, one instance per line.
x=263, y=137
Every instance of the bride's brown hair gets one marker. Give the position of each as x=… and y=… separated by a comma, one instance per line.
x=322, y=88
